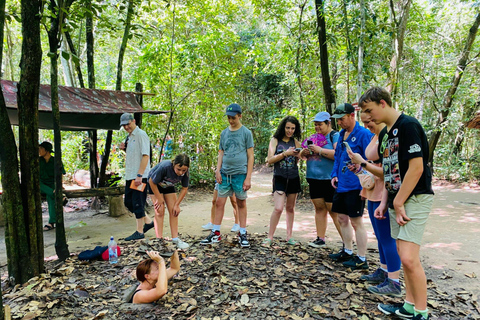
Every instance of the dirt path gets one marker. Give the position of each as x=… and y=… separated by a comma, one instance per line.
x=450, y=254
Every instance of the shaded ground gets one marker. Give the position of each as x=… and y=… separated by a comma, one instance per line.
x=225, y=281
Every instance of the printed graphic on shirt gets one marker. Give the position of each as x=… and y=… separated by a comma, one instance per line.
x=288, y=162
x=391, y=169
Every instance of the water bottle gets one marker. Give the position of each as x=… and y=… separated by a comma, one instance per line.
x=112, y=251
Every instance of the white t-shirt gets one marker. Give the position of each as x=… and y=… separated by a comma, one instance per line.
x=137, y=146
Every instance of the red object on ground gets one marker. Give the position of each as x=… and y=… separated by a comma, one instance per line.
x=105, y=254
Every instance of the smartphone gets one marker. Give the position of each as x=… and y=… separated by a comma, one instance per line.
x=298, y=149
x=345, y=143
x=309, y=142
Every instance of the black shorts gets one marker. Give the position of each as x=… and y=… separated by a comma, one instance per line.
x=135, y=200
x=289, y=186
x=349, y=203
x=167, y=190
x=321, y=189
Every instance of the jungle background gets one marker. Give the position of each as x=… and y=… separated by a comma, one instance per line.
x=199, y=56
x=273, y=57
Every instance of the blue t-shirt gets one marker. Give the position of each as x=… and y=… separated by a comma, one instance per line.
x=358, y=140
x=234, y=145
x=318, y=167
x=164, y=175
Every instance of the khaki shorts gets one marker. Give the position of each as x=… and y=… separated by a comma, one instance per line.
x=417, y=208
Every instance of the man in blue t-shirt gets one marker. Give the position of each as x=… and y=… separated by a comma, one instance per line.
x=234, y=173
x=347, y=202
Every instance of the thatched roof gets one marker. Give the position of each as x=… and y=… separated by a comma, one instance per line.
x=474, y=123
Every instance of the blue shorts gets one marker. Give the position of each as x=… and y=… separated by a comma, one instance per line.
x=232, y=184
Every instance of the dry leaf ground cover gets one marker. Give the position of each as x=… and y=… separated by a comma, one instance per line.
x=222, y=281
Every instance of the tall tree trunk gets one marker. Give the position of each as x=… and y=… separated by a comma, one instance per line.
x=468, y=113
x=56, y=22
x=298, y=69
x=9, y=63
x=322, y=41
x=449, y=95
x=68, y=74
x=71, y=46
x=349, y=47
x=361, y=51
x=92, y=134
x=24, y=234
x=400, y=26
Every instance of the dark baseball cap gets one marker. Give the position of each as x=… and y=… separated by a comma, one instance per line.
x=233, y=109
x=125, y=119
x=47, y=146
x=343, y=109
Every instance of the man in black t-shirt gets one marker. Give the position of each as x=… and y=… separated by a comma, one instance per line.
x=403, y=148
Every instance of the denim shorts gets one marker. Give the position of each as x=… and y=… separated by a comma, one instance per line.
x=232, y=184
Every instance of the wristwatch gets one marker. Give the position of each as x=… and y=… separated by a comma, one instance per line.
x=139, y=175
x=363, y=164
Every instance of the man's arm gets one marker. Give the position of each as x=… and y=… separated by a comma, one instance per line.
x=141, y=170
x=410, y=180
x=247, y=184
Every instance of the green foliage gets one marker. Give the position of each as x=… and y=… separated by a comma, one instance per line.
x=198, y=56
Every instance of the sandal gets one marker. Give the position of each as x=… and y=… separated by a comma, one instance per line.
x=267, y=243
x=48, y=227
x=291, y=242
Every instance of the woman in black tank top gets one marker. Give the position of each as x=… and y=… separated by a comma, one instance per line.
x=153, y=276
x=283, y=153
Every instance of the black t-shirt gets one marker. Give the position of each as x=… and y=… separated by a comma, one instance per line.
x=405, y=140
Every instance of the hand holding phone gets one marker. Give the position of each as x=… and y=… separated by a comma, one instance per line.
x=298, y=149
x=309, y=142
x=345, y=143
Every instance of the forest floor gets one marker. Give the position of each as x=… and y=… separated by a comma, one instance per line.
x=224, y=281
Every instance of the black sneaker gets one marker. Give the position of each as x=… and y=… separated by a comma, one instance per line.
x=420, y=317
x=318, y=243
x=340, y=256
x=356, y=263
x=396, y=309
x=213, y=237
x=148, y=226
x=135, y=236
x=242, y=239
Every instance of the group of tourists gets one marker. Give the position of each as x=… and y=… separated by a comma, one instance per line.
x=384, y=161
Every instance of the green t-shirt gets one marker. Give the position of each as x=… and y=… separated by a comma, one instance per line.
x=47, y=171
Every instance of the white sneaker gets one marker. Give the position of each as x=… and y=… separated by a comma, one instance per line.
x=180, y=244
x=208, y=226
x=235, y=228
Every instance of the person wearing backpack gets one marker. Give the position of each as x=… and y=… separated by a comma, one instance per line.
x=319, y=149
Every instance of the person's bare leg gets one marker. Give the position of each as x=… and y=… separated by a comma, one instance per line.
x=219, y=210
x=214, y=204
x=174, y=265
x=158, y=219
x=170, y=199
x=347, y=230
x=290, y=213
x=242, y=212
x=415, y=279
x=233, y=201
x=360, y=235
x=320, y=217
x=279, y=202
x=334, y=217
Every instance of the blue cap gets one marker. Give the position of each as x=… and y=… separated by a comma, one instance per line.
x=322, y=116
x=233, y=110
